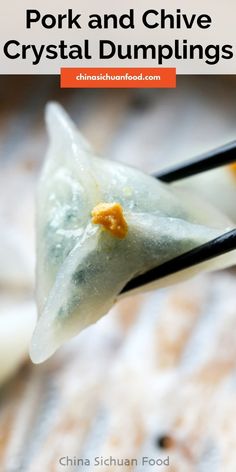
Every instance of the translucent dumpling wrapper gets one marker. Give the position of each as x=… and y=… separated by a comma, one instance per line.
x=82, y=262
x=217, y=186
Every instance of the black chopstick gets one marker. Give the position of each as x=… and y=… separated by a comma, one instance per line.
x=210, y=160
x=216, y=247
x=218, y=157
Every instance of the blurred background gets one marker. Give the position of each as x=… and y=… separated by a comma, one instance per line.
x=157, y=376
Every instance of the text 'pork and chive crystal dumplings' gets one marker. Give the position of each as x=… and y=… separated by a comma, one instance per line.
x=99, y=224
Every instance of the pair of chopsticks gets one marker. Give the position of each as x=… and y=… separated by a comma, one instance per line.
x=219, y=157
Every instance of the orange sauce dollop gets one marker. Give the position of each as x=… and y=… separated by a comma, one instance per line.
x=111, y=217
x=232, y=168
